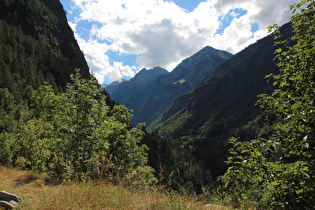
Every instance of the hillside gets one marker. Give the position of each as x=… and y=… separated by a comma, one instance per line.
x=37, y=46
x=207, y=117
x=42, y=124
x=149, y=101
x=65, y=144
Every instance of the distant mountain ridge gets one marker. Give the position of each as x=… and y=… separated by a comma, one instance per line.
x=199, y=66
x=149, y=101
x=125, y=87
x=145, y=75
x=207, y=117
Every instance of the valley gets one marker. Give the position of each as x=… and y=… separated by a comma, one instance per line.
x=227, y=130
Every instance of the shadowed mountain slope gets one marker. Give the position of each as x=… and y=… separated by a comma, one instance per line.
x=37, y=45
x=207, y=117
x=153, y=97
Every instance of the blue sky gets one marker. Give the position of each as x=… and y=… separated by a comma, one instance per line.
x=120, y=37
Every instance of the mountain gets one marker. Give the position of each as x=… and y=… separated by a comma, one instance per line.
x=114, y=85
x=199, y=66
x=151, y=100
x=119, y=90
x=37, y=46
x=207, y=117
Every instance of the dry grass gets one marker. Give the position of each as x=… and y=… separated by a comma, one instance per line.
x=38, y=194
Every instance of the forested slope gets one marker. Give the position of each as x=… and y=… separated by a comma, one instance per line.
x=54, y=115
x=37, y=45
x=207, y=117
x=68, y=126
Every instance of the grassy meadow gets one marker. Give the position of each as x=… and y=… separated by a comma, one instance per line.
x=40, y=193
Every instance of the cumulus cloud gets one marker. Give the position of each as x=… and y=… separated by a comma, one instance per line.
x=265, y=12
x=162, y=44
x=162, y=34
x=99, y=62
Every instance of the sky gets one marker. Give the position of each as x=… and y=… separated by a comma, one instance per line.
x=120, y=37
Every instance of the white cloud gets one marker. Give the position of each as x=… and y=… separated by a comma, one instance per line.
x=73, y=26
x=241, y=36
x=265, y=12
x=162, y=34
x=99, y=62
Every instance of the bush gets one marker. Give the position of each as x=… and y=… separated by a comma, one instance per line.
x=71, y=132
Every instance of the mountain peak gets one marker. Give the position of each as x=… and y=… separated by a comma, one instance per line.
x=151, y=91
x=200, y=65
x=145, y=75
x=141, y=78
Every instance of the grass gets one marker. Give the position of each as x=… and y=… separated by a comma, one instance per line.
x=37, y=193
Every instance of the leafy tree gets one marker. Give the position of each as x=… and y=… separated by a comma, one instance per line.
x=91, y=127
x=249, y=180
x=291, y=108
x=282, y=168
x=72, y=132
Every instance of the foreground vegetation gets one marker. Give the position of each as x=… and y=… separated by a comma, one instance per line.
x=60, y=126
x=88, y=155
x=279, y=172
x=73, y=134
x=39, y=193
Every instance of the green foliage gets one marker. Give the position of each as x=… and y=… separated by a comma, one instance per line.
x=249, y=180
x=175, y=166
x=280, y=172
x=291, y=108
x=33, y=146
x=48, y=127
x=36, y=46
x=6, y=140
x=204, y=119
x=71, y=132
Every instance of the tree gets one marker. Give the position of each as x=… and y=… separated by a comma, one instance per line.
x=91, y=128
x=285, y=172
x=291, y=109
x=71, y=133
